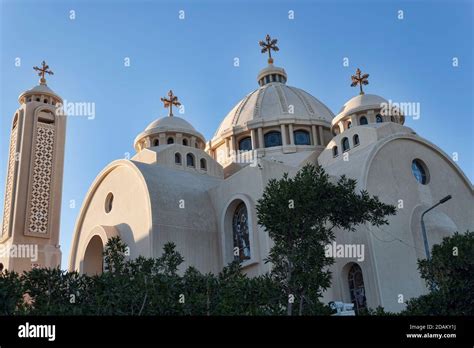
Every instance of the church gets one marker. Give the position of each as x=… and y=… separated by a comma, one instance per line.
x=201, y=193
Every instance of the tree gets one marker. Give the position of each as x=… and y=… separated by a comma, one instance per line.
x=300, y=215
x=450, y=276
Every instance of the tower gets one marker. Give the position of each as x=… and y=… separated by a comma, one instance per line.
x=30, y=232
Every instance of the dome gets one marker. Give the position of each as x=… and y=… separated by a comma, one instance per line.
x=39, y=90
x=271, y=102
x=171, y=123
x=360, y=103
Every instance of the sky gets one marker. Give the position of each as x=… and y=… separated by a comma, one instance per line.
x=191, y=47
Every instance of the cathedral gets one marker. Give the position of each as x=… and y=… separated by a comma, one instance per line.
x=201, y=193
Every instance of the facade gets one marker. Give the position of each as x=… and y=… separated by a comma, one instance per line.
x=201, y=194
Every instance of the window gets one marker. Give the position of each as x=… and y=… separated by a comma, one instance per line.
x=109, y=200
x=302, y=137
x=378, y=119
x=177, y=158
x=420, y=171
x=240, y=230
x=203, y=164
x=245, y=144
x=349, y=124
x=185, y=142
x=190, y=160
x=156, y=142
x=357, y=288
x=355, y=139
x=272, y=139
x=170, y=140
x=363, y=120
x=345, y=144
x=392, y=119
x=334, y=151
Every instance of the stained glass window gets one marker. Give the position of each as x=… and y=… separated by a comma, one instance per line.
x=357, y=288
x=272, y=139
x=240, y=229
x=302, y=138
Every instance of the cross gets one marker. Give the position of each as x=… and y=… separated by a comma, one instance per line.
x=357, y=79
x=268, y=45
x=168, y=103
x=43, y=70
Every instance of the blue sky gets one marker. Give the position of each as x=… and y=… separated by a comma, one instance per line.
x=408, y=60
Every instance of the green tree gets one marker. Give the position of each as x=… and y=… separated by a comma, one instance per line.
x=300, y=215
x=450, y=275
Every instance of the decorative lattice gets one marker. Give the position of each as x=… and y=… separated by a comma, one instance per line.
x=42, y=175
x=10, y=180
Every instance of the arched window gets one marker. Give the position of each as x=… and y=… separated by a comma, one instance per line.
x=245, y=144
x=392, y=119
x=185, y=142
x=345, y=144
x=177, y=158
x=240, y=230
x=190, y=160
x=334, y=151
x=355, y=139
x=378, y=119
x=170, y=140
x=349, y=124
x=156, y=142
x=203, y=164
x=363, y=120
x=357, y=287
x=302, y=137
x=272, y=139
x=420, y=171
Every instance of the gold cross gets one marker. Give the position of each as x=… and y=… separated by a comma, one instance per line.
x=357, y=79
x=43, y=70
x=168, y=103
x=267, y=46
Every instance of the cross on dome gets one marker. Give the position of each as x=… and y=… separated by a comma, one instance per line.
x=360, y=80
x=267, y=46
x=168, y=103
x=43, y=70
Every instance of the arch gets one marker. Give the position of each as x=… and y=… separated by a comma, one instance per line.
x=245, y=144
x=378, y=118
x=272, y=138
x=392, y=119
x=356, y=284
x=93, y=256
x=203, y=164
x=355, y=139
x=190, y=162
x=170, y=140
x=345, y=144
x=348, y=124
x=177, y=158
x=185, y=142
x=363, y=120
x=156, y=142
x=335, y=151
x=302, y=137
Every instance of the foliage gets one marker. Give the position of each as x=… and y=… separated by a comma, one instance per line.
x=450, y=276
x=300, y=215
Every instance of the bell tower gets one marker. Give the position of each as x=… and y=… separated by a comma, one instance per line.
x=32, y=209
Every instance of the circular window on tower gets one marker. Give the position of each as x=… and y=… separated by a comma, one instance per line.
x=109, y=200
x=420, y=171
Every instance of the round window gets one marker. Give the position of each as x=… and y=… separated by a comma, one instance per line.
x=109, y=200
x=420, y=171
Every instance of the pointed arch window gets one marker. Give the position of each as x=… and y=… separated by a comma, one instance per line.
x=355, y=139
x=177, y=158
x=190, y=160
x=203, y=164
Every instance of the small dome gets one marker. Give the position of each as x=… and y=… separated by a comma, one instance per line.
x=271, y=102
x=171, y=123
x=360, y=103
x=41, y=89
